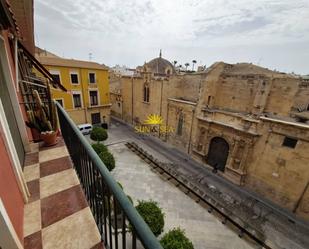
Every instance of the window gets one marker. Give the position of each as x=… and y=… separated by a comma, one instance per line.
x=60, y=102
x=208, y=101
x=92, y=78
x=77, y=100
x=289, y=142
x=56, y=78
x=146, y=93
x=74, y=78
x=93, y=98
x=180, y=124
x=95, y=118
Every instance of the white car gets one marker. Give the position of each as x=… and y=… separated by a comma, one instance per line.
x=85, y=128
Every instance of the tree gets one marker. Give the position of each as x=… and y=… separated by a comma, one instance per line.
x=187, y=64
x=176, y=239
x=98, y=134
x=108, y=159
x=193, y=63
x=99, y=148
x=152, y=215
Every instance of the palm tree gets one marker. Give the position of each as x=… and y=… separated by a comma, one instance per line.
x=193, y=63
x=187, y=64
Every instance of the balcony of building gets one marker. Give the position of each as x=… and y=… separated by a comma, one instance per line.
x=74, y=201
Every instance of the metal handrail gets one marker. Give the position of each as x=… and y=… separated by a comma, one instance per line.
x=142, y=230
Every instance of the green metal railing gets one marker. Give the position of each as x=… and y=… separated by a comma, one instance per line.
x=118, y=221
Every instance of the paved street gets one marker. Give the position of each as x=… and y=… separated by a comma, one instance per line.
x=205, y=230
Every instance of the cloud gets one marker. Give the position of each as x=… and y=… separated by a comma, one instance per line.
x=132, y=31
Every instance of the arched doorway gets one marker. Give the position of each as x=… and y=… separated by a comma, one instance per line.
x=218, y=153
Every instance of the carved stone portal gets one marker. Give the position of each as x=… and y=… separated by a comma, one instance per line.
x=218, y=153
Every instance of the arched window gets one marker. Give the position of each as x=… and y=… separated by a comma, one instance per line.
x=146, y=92
x=180, y=124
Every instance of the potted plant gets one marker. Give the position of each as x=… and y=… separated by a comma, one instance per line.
x=152, y=215
x=34, y=126
x=175, y=239
x=98, y=134
x=106, y=157
x=39, y=122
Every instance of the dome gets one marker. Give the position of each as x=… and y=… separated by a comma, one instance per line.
x=160, y=66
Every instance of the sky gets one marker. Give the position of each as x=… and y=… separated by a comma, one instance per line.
x=269, y=33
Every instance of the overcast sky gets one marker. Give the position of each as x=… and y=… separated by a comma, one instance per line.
x=271, y=33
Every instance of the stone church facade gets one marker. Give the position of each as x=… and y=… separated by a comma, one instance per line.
x=248, y=123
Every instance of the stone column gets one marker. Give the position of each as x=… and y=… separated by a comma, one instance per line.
x=230, y=160
x=244, y=157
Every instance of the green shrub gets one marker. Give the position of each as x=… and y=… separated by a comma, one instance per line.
x=152, y=215
x=108, y=159
x=176, y=239
x=98, y=134
x=98, y=148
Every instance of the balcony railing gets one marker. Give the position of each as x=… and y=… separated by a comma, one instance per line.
x=119, y=223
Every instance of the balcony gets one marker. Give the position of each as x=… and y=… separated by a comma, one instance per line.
x=75, y=202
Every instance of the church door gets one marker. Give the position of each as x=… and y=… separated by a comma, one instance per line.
x=218, y=153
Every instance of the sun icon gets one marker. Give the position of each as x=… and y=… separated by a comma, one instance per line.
x=154, y=119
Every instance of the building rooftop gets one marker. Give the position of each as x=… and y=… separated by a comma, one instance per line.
x=55, y=61
x=160, y=65
x=249, y=68
x=44, y=53
x=49, y=59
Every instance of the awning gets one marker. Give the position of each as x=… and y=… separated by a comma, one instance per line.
x=41, y=68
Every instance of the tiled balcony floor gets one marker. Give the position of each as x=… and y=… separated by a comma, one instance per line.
x=57, y=215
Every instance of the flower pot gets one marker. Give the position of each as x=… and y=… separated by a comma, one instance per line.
x=49, y=138
x=58, y=132
x=36, y=135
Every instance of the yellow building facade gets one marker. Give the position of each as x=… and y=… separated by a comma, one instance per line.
x=87, y=98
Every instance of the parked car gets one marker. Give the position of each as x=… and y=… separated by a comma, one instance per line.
x=85, y=128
